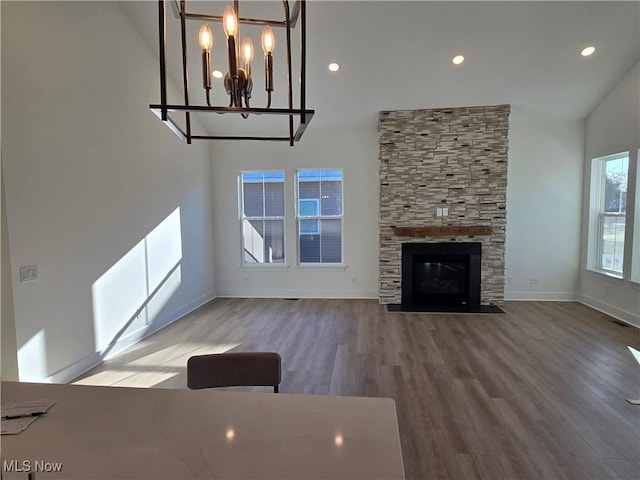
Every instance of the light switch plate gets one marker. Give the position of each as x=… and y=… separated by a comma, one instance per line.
x=28, y=273
x=442, y=211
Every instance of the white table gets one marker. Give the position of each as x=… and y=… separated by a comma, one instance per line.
x=121, y=433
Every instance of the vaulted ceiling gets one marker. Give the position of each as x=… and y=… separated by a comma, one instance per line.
x=397, y=55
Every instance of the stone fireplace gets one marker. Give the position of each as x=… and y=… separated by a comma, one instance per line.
x=443, y=180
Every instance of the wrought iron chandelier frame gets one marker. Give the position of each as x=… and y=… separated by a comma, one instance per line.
x=163, y=110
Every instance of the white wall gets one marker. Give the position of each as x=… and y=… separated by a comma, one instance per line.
x=111, y=206
x=613, y=127
x=353, y=151
x=544, y=191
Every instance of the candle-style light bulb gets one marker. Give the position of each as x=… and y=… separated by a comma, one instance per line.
x=230, y=21
x=268, y=44
x=268, y=40
x=231, y=81
x=205, y=37
x=247, y=51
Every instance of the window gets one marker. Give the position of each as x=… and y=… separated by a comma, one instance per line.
x=262, y=217
x=319, y=216
x=609, y=206
x=635, y=245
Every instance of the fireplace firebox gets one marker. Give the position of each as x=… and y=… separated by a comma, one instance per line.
x=441, y=276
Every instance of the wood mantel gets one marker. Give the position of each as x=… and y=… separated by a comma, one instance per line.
x=447, y=231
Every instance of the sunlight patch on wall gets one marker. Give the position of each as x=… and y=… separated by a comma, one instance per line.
x=164, y=249
x=32, y=359
x=131, y=294
x=118, y=294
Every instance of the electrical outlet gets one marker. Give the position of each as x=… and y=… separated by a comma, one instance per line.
x=354, y=279
x=533, y=280
x=509, y=280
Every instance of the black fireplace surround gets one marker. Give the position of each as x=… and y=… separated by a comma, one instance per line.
x=441, y=276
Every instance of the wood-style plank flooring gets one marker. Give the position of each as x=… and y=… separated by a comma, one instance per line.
x=535, y=393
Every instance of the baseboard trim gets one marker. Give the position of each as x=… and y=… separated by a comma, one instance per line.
x=76, y=369
x=541, y=296
x=611, y=310
x=277, y=293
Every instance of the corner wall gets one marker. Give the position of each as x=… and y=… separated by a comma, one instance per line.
x=9, y=359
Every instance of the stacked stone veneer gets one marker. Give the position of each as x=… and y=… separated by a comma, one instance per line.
x=449, y=156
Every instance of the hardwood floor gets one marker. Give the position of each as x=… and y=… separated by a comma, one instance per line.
x=535, y=393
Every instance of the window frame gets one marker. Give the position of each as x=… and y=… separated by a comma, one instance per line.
x=634, y=273
x=242, y=218
x=599, y=215
x=318, y=218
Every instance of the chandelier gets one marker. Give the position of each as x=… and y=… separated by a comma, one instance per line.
x=239, y=80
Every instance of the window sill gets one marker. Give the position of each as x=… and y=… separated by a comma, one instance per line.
x=264, y=266
x=323, y=266
x=606, y=275
x=306, y=266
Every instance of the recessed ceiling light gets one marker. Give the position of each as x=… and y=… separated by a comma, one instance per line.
x=587, y=51
x=217, y=73
x=458, y=59
x=334, y=67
